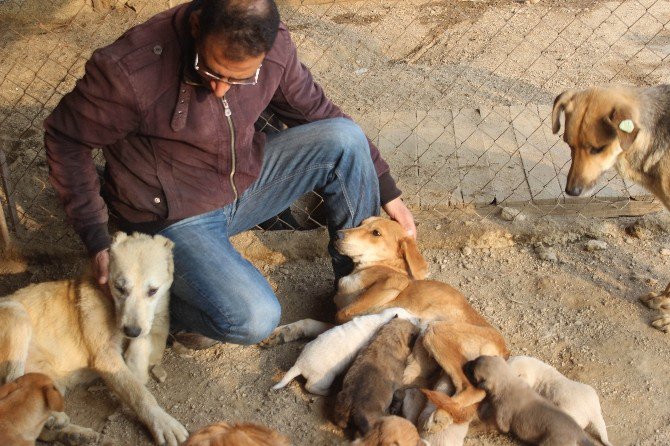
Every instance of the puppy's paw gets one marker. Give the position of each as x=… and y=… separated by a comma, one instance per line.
x=73, y=435
x=437, y=421
x=656, y=301
x=281, y=335
x=662, y=321
x=57, y=421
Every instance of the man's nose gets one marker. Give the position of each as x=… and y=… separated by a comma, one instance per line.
x=219, y=88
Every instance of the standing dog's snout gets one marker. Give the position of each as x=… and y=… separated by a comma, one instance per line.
x=131, y=331
x=574, y=191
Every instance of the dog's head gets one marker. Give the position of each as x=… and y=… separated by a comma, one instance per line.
x=391, y=431
x=242, y=434
x=486, y=372
x=599, y=125
x=379, y=239
x=44, y=386
x=140, y=276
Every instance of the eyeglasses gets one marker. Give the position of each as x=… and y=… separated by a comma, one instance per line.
x=253, y=80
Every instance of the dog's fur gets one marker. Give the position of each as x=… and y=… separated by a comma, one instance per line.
x=391, y=431
x=370, y=382
x=515, y=407
x=25, y=405
x=323, y=359
x=241, y=434
x=578, y=400
x=72, y=331
x=388, y=272
x=592, y=130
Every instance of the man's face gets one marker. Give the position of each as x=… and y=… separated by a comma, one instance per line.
x=212, y=60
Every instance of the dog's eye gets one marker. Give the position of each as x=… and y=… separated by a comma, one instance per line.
x=376, y=233
x=120, y=289
x=596, y=150
x=152, y=291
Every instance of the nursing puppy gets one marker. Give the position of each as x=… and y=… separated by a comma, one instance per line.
x=370, y=382
x=25, y=406
x=331, y=352
x=578, y=400
x=623, y=127
x=241, y=434
x=72, y=332
x=435, y=430
x=515, y=407
x=391, y=431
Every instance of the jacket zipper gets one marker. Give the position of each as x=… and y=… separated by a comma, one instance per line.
x=227, y=112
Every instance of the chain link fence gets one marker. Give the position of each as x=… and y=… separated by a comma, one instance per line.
x=456, y=93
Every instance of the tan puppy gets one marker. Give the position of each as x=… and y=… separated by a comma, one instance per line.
x=25, y=405
x=369, y=385
x=241, y=434
x=516, y=408
x=391, y=431
x=71, y=331
x=626, y=128
x=389, y=272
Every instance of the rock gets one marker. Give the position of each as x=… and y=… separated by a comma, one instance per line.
x=665, y=252
x=596, y=245
x=511, y=214
x=158, y=373
x=638, y=230
x=547, y=254
x=466, y=250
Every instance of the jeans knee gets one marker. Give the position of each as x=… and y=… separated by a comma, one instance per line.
x=253, y=324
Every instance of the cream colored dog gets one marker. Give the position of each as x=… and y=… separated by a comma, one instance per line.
x=578, y=400
x=333, y=351
x=71, y=331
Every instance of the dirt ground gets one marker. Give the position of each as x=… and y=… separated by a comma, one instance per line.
x=579, y=311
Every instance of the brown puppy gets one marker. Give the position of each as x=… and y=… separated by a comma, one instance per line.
x=391, y=431
x=25, y=405
x=514, y=406
x=242, y=434
x=374, y=376
x=389, y=272
x=626, y=128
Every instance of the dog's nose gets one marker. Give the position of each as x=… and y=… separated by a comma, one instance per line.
x=131, y=332
x=575, y=191
x=339, y=235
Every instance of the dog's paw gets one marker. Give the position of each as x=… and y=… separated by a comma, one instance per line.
x=280, y=335
x=73, y=435
x=57, y=421
x=437, y=421
x=656, y=301
x=165, y=429
x=662, y=321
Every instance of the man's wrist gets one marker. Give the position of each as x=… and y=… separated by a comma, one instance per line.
x=388, y=190
x=95, y=237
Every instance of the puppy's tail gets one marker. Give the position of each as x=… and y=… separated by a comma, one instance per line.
x=292, y=373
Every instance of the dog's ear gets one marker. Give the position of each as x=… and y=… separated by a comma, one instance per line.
x=561, y=103
x=53, y=398
x=622, y=122
x=8, y=388
x=416, y=264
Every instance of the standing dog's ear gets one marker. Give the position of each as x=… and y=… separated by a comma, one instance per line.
x=53, y=398
x=560, y=104
x=622, y=121
x=416, y=264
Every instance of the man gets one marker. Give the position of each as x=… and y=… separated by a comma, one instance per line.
x=173, y=103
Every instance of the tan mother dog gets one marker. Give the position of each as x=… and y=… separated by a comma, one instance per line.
x=72, y=332
x=25, y=405
x=390, y=272
x=626, y=128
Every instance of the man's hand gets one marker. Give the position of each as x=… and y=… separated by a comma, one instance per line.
x=100, y=263
x=397, y=210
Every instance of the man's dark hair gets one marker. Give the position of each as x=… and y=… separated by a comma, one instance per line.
x=247, y=28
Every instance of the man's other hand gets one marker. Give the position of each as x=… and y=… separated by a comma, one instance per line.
x=397, y=211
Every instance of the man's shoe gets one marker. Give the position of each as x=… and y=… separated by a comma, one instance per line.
x=194, y=341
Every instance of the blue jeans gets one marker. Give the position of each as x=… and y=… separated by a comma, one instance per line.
x=219, y=294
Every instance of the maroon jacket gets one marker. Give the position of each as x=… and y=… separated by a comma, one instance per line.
x=171, y=152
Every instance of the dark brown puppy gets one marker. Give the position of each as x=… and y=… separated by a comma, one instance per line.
x=515, y=407
x=375, y=375
x=25, y=405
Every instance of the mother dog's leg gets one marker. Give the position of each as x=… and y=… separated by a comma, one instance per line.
x=306, y=328
x=165, y=429
x=15, y=334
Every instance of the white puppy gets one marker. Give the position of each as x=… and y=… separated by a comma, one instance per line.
x=578, y=400
x=333, y=351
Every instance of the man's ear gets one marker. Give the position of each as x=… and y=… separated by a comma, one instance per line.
x=621, y=119
x=416, y=264
x=53, y=398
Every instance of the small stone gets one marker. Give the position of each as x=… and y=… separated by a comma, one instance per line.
x=158, y=373
x=113, y=416
x=596, y=245
x=466, y=250
x=510, y=214
x=665, y=252
x=361, y=71
x=547, y=254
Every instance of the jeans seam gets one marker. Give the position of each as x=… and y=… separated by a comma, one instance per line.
x=281, y=179
x=344, y=192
